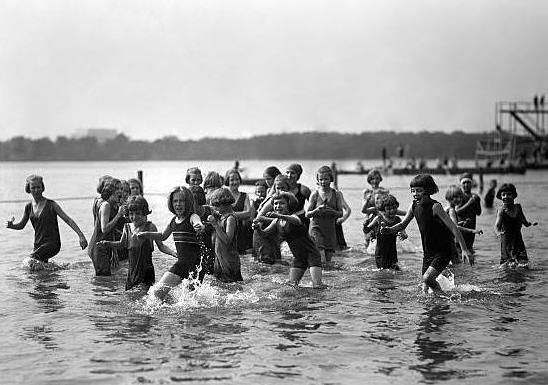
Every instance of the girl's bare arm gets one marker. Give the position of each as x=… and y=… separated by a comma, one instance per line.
x=19, y=225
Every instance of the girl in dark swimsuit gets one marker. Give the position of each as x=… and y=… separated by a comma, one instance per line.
x=508, y=224
x=436, y=228
x=43, y=214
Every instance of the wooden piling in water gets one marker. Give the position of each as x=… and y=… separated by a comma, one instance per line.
x=140, y=177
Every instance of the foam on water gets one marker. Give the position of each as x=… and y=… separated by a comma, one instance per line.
x=32, y=264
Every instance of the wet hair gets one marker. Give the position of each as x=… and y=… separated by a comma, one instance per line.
x=221, y=197
x=192, y=171
x=272, y=171
x=187, y=198
x=108, y=190
x=291, y=200
x=124, y=184
x=261, y=183
x=426, y=182
x=465, y=175
x=295, y=167
x=387, y=200
x=282, y=179
x=198, y=194
x=231, y=172
x=374, y=173
x=452, y=192
x=138, y=203
x=137, y=182
x=325, y=170
x=508, y=188
x=213, y=179
x=31, y=178
x=102, y=181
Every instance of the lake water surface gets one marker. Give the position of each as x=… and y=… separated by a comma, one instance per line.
x=369, y=326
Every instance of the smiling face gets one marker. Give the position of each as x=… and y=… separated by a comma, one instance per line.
x=466, y=185
x=507, y=197
x=234, y=182
x=178, y=202
x=374, y=180
x=419, y=194
x=36, y=189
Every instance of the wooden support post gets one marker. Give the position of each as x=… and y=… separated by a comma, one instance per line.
x=335, y=176
x=140, y=177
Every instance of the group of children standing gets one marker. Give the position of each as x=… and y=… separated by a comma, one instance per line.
x=212, y=225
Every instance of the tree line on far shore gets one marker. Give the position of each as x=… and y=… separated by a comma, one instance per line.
x=310, y=145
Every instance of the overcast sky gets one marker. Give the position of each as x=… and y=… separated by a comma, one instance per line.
x=249, y=67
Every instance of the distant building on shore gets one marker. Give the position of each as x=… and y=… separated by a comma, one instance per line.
x=101, y=134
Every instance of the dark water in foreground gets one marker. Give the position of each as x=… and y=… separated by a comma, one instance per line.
x=66, y=326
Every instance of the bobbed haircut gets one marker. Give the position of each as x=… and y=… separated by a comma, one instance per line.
x=372, y=174
x=261, y=183
x=108, y=189
x=102, y=181
x=32, y=178
x=387, y=200
x=187, y=198
x=325, y=170
x=221, y=197
x=508, y=188
x=465, y=175
x=138, y=183
x=192, y=171
x=125, y=183
x=199, y=195
x=272, y=171
x=282, y=179
x=138, y=203
x=295, y=167
x=213, y=180
x=426, y=182
x=291, y=200
x=453, y=192
x=231, y=172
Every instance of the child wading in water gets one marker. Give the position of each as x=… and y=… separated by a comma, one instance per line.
x=227, y=266
x=455, y=196
x=205, y=237
x=436, y=228
x=183, y=226
x=140, y=267
x=305, y=253
x=43, y=213
x=386, y=253
x=325, y=206
x=508, y=224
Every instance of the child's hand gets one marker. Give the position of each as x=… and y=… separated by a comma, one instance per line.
x=102, y=243
x=403, y=236
x=141, y=235
x=467, y=255
x=531, y=224
x=212, y=219
x=83, y=242
x=256, y=225
x=272, y=214
x=340, y=221
x=9, y=224
x=478, y=231
x=199, y=226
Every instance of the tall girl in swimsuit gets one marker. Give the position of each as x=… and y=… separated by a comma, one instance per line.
x=325, y=206
x=183, y=226
x=43, y=213
x=242, y=211
x=436, y=228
